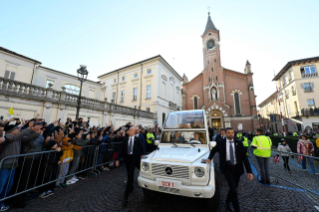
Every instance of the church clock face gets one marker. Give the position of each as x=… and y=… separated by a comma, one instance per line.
x=210, y=44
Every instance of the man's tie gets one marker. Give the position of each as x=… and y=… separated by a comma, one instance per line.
x=130, y=146
x=231, y=153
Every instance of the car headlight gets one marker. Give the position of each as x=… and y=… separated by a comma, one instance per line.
x=199, y=171
x=145, y=166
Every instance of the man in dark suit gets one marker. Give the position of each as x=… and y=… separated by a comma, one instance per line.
x=210, y=132
x=130, y=152
x=232, y=156
x=221, y=135
x=139, y=135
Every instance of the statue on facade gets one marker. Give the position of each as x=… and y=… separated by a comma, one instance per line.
x=214, y=94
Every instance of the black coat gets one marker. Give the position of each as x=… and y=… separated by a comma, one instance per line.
x=240, y=152
x=211, y=133
x=219, y=137
x=136, y=153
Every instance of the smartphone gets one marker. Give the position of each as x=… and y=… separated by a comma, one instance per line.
x=59, y=120
x=16, y=119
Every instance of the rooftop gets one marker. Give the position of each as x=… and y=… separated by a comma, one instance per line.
x=19, y=55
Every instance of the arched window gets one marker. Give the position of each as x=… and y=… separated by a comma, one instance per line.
x=237, y=105
x=72, y=89
x=195, y=103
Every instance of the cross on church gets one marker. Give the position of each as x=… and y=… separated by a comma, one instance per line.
x=208, y=10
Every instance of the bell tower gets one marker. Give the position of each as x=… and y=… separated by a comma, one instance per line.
x=212, y=73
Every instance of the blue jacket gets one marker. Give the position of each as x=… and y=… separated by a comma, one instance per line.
x=103, y=147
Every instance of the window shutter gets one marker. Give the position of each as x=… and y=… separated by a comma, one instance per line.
x=13, y=74
x=312, y=84
x=301, y=85
x=6, y=74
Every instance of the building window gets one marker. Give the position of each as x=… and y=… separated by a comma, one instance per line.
x=212, y=69
x=308, y=71
x=72, y=89
x=9, y=75
x=114, y=95
x=122, y=96
x=237, y=106
x=177, y=97
x=293, y=90
x=135, y=75
x=290, y=75
x=149, y=71
x=195, y=103
x=215, y=60
x=208, y=62
x=48, y=82
x=216, y=78
x=92, y=94
x=284, y=81
x=308, y=87
x=148, y=91
x=172, y=93
x=311, y=103
x=148, y=109
x=123, y=78
x=164, y=90
x=134, y=94
x=287, y=94
x=114, y=80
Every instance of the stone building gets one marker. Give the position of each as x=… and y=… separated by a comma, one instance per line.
x=227, y=96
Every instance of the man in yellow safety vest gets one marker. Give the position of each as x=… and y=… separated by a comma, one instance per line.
x=243, y=139
x=262, y=150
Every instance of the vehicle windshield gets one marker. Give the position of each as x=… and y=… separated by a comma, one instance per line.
x=184, y=137
x=185, y=120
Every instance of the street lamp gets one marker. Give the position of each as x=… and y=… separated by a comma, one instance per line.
x=82, y=76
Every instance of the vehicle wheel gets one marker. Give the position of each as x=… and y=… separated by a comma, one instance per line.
x=149, y=194
x=213, y=203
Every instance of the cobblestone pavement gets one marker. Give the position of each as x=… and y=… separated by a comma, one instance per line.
x=105, y=193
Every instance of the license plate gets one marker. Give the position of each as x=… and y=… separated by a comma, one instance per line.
x=168, y=183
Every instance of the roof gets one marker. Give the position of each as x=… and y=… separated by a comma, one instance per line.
x=209, y=24
x=227, y=69
x=70, y=75
x=269, y=97
x=143, y=61
x=289, y=64
x=19, y=55
x=247, y=63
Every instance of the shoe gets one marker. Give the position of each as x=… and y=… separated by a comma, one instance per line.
x=59, y=186
x=63, y=185
x=44, y=195
x=74, y=179
x=125, y=201
x=50, y=192
x=106, y=169
x=317, y=173
x=82, y=177
x=69, y=182
x=230, y=206
x=268, y=182
x=4, y=208
x=262, y=181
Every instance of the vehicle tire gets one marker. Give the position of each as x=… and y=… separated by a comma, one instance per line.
x=213, y=202
x=149, y=194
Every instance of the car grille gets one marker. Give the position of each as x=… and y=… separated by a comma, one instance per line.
x=167, y=189
x=178, y=171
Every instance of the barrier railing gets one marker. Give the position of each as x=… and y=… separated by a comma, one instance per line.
x=47, y=169
x=297, y=169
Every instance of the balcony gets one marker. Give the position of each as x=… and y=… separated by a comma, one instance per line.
x=308, y=89
x=304, y=75
x=310, y=112
x=294, y=93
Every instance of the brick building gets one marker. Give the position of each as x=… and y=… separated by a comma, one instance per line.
x=227, y=96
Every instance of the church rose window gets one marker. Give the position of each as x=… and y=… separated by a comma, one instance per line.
x=236, y=96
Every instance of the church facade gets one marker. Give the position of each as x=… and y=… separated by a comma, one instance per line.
x=227, y=96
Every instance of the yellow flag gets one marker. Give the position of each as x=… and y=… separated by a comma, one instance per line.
x=10, y=111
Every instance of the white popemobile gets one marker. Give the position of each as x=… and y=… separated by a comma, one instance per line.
x=177, y=166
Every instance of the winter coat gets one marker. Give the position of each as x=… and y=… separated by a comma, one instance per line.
x=32, y=146
x=80, y=142
x=12, y=146
x=284, y=148
x=68, y=151
x=305, y=147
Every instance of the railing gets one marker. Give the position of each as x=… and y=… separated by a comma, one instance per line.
x=310, y=112
x=46, y=169
x=304, y=75
x=308, y=89
x=28, y=91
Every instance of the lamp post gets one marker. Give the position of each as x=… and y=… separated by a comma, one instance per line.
x=82, y=76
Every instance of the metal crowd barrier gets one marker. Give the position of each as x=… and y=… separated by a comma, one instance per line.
x=40, y=170
x=109, y=154
x=297, y=169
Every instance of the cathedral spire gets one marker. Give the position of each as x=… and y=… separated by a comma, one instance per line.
x=209, y=24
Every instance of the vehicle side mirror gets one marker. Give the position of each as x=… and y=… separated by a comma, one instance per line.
x=156, y=142
x=212, y=144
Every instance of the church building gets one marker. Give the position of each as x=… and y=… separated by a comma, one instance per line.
x=227, y=96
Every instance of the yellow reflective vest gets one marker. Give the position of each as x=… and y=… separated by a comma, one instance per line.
x=295, y=134
x=275, y=134
x=263, y=144
x=148, y=136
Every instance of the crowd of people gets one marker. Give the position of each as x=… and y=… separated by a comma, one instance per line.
x=52, y=151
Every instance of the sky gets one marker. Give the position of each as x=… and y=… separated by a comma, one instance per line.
x=107, y=35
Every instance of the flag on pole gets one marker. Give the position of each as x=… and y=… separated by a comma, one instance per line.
x=10, y=111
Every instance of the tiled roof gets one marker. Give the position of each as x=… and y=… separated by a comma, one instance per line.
x=16, y=54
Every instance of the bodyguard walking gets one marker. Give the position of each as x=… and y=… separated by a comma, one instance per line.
x=262, y=150
x=130, y=153
x=232, y=157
